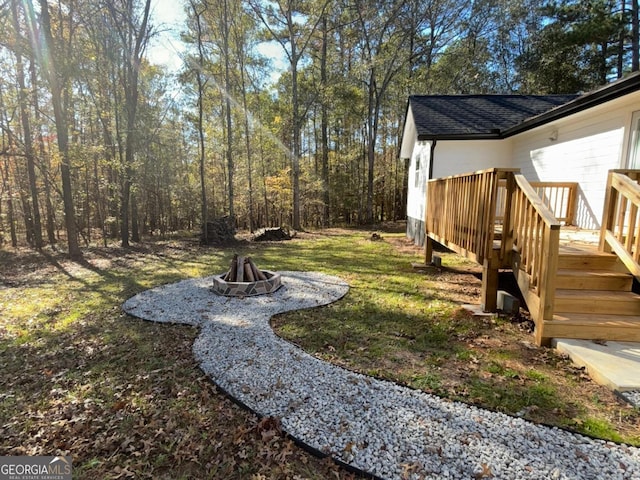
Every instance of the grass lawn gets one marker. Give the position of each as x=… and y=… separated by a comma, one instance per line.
x=125, y=399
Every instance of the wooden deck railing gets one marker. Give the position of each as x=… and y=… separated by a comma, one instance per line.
x=620, y=232
x=460, y=210
x=535, y=234
x=559, y=197
x=461, y=214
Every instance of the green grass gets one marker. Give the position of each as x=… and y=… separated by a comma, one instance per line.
x=601, y=429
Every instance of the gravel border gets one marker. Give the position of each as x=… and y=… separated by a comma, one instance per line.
x=375, y=426
x=631, y=396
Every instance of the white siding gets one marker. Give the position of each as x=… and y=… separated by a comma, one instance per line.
x=451, y=158
x=417, y=180
x=580, y=148
x=464, y=156
x=409, y=136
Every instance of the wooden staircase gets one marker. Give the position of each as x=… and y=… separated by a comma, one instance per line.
x=593, y=299
x=497, y=218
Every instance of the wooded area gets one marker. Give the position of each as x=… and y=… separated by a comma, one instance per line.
x=98, y=143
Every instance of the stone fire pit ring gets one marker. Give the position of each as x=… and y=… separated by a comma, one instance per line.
x=247, y=289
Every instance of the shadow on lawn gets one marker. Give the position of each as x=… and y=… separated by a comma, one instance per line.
x=82, y=378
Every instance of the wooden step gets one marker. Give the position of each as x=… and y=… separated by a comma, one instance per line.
x=593, y=327
x=593, y=280
x=587, y=261
x=596, y=302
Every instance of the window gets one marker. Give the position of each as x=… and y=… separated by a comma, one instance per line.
x=417, y=184
x=634, y=142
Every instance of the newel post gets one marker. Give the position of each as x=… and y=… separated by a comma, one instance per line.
x=608, y=213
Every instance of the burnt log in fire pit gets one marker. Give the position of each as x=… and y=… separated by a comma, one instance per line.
x=244, y=279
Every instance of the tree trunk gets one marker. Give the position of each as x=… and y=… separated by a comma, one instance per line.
x=99, y=206
x=45, y=166
x=227, y=95
x=135, y=226
x=124, y=209
x=621, y=38
x=52, y=68
x=201, y=147
x=26, y=128
x=372, y=125
x=134, y=41
x=247, y=144
x=10, y=213
x=324, y=127
x=22, y=185
x=295, y=157
x=263, y=163
x=635, y=37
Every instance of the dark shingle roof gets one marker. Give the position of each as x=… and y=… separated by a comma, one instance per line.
x=477, y=116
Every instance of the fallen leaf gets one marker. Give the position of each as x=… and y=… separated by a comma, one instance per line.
x=485, y=473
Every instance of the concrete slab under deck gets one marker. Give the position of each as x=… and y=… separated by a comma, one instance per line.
x=614, y=364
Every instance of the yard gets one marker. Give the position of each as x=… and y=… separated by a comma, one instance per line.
x=125, y=398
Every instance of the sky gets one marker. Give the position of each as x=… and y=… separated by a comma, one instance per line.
x=167, y=49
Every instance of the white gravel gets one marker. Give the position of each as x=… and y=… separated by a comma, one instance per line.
x=382, y=428
x=632, y=396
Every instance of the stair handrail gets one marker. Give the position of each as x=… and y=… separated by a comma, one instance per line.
x=620, y=230
x=534, y=233
x=560, y=197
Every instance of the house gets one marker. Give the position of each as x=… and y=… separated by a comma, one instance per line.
x=496, y=177
x=550, y=138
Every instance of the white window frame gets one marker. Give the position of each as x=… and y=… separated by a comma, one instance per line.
x=633, y=154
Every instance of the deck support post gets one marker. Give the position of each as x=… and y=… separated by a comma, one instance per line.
x=428, y=250
x=490, y=284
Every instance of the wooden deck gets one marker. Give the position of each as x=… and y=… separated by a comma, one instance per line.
x=576, y=283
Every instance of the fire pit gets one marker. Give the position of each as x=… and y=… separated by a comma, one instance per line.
x=244, y=279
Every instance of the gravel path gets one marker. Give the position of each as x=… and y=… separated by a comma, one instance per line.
x=632, y=396
x=379, y=427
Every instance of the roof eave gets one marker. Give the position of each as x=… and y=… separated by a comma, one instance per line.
x=604, y=94
x=465, y=136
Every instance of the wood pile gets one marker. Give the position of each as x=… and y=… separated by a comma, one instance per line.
x=272, y=234
x=220, y=231
x=242, y=269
